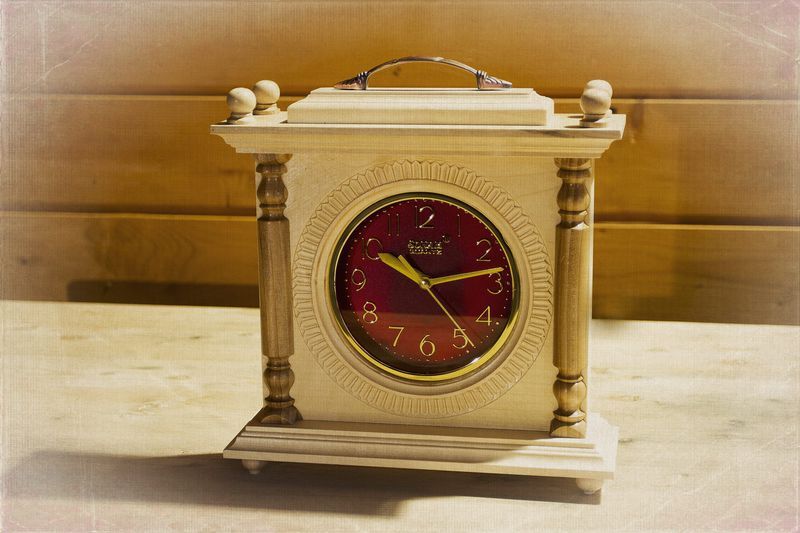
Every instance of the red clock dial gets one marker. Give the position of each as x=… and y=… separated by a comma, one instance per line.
x=424, y=287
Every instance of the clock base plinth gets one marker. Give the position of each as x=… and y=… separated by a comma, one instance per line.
x=590, y=460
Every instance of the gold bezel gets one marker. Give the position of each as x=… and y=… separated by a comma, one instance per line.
x=445, y=377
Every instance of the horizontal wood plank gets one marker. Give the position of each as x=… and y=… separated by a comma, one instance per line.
x=703, y=162
x=103, y=154
x=63, y=256
x=697, y=273
x=646, y=49
x=720, y=162
x=663, y=272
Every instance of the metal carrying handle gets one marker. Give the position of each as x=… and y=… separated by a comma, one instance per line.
x=482, y=79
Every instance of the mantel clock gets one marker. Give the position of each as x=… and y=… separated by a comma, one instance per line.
x=425, y=277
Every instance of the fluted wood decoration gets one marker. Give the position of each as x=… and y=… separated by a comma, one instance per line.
x=275, y=292
x=570, y=345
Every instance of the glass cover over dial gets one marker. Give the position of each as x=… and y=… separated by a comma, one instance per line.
x=424, y=287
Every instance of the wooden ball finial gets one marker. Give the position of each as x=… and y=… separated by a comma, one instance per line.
x=595, y=103
x=241, y=102
x=603, y=85
x=267, y=93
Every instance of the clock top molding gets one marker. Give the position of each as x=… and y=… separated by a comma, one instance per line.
x=563, y=137
x=426, y=122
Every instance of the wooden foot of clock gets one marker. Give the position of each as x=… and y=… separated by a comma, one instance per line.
x=432, y=294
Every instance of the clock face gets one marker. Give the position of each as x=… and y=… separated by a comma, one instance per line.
x=424, y=287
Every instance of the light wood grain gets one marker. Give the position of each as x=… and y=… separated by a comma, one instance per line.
x=439, y=448
x=515, y=106
x=703, y=162
x=275, y=291
x=514, y=388
x=664, y=49
x=151, y=395
x=561, y=137
x=47, y=255
x=707, y=273
x=572, y=297
x=122, y=162
x=699, y=273
x=679, y=161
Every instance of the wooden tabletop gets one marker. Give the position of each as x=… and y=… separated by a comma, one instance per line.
x=114, y=417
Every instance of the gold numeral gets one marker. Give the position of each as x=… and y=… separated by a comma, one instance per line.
x=459, y=333
x=426, y=347
x=499, y=281
x=365, y=248
x=488, y=249
x=428, y=223
x=458, y=222
x=399, y=332
x=396, y=224
x=369, y=316
x=361, y=281
x=488, y=319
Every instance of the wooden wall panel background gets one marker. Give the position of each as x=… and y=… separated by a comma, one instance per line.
x=658, y=49
x=697, y=207
x=651, y=271
x=681, y=161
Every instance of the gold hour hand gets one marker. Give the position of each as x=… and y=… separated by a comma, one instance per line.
x=397, y=264
x=465, y=275
x=413, y=273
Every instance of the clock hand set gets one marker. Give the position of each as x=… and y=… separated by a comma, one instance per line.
x=402, y=265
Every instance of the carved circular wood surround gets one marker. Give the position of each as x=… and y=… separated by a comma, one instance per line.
x=318, y=326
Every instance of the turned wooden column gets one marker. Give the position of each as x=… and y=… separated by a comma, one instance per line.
x=572, y=297
x=275, y=291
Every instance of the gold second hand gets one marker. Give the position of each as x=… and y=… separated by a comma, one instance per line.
x=459, y=328
x=440, y=304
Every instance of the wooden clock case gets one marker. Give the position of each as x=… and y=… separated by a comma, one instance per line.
x=332, y=156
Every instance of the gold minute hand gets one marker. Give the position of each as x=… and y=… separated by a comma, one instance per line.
x=465, y=275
